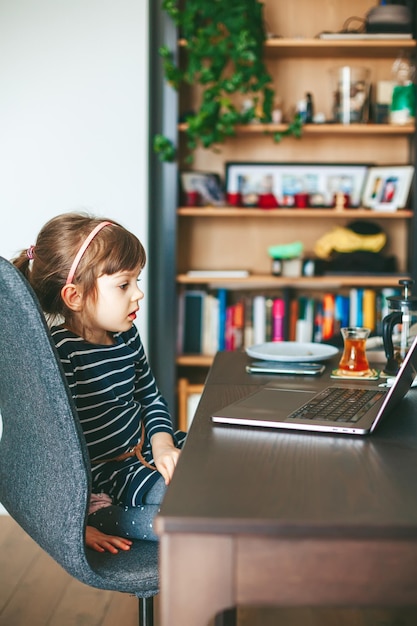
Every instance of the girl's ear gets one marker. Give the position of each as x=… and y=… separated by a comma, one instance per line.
x=72, y=297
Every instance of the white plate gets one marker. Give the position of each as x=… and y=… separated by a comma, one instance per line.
x=291, y=351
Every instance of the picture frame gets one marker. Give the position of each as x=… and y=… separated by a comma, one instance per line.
x=201, y=188
x=312, y=185
x=387, y=188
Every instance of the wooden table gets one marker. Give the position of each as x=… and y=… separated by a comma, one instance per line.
x=263, y=517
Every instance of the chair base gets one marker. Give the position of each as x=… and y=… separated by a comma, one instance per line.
x=146, y=611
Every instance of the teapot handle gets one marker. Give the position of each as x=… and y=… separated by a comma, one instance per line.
x=388, y=324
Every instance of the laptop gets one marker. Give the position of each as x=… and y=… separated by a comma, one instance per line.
x=342, y=408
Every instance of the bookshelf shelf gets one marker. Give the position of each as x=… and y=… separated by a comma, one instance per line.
x=269, y=281
x=257, y=129
x=194, y=360
x=295, y=214
x=306, y=44
x=336, y=48
x=309, y=46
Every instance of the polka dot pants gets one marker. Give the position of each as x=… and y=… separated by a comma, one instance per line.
x=131, y=522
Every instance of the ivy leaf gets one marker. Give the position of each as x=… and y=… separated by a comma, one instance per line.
x=164, y=148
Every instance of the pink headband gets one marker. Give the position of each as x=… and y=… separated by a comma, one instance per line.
x=83, y=248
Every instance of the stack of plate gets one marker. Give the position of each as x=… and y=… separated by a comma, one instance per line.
x=292, y=351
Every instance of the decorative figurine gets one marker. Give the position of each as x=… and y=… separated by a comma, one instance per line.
x=402, y=110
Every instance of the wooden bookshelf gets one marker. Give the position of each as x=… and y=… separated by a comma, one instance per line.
x=232, y=237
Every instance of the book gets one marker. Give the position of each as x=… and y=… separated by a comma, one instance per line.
x=353, y=307
x=228, y=330
x=268, y=319
x=248, y=332
x=278, y=315
x=287, y=298
x=365, y=36
x=318, y=322
x=222, y=298
x=305, y=323
x=369, y=308
x=293, y=317
x=210, y=330
x=359, y=312
x=238, y=316
x=341, y=312
x=259, y=320
x=309, y=311
x=385, y=294
x=193, y=321
x=328, y=316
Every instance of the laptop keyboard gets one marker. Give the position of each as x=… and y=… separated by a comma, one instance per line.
x=338, y=404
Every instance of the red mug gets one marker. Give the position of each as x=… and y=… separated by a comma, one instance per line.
x=301, y=200
x=192, y=198
x=234, y=199
x=267, y=201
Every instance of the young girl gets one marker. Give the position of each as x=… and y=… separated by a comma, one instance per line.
x=85, y=271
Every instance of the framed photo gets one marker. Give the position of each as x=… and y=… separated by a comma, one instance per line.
x=202, y=188
x=269, y=185
x=387, y=188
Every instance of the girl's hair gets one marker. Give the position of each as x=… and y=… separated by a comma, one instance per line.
x=113, y=249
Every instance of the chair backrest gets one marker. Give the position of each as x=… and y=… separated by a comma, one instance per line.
x=44, y=465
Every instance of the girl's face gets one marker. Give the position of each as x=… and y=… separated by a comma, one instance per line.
x=115, y=307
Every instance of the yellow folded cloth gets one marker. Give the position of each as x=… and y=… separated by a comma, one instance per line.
x=345, y=240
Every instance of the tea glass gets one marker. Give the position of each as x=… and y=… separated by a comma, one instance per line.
x=354, y=351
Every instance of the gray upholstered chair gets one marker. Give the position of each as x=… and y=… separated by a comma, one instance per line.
x=44, y=464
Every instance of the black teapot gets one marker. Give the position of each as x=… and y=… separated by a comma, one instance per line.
x=403, y=311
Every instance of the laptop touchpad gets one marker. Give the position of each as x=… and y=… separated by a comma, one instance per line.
x=278, y=401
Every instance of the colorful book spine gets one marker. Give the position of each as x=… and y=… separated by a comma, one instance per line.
x=248, y=333
x=228, y=334
x=318, y=322
x=268, y=318
x=305, y=322
x=328, y=316
x=359, y=318
x=259, y=320
x=293, y=317
x=193, y=321
x=353, y=307
x=222, y=298
x=238, y=324
x=287, y=298
x=278, y=320
x=369, y=309
x=210, y=339
x=341, y=312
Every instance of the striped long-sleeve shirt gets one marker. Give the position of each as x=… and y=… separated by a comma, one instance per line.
x=115, y=391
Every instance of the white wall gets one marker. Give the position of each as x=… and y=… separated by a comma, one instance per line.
x=73, y=115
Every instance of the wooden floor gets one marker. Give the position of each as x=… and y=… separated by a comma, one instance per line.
x=35, y=591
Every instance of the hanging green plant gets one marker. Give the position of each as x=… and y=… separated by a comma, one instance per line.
x=224, y=42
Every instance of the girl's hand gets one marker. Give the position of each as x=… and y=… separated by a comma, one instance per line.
x=100, y=542
x=165, y=455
